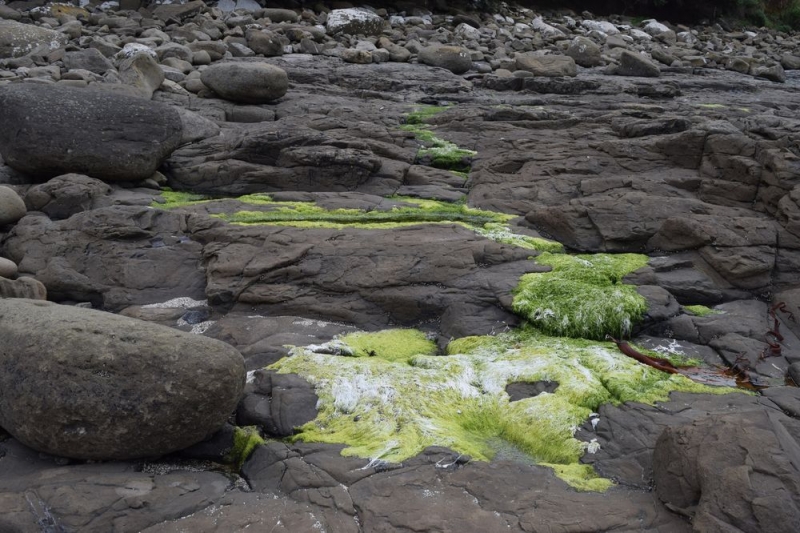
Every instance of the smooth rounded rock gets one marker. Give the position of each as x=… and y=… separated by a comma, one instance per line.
x=631, y=64
x=93, y=385
x=8, y=268
x=54, y=130
x=12, y=208
x=247, y=83
x=454, y=58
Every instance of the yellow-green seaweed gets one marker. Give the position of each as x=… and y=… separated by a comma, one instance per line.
x=583, y=296
x=490, y=224
x=421, y=114
x=701, y=310
x=245, y=440
x=443, y=154
x=390, y=408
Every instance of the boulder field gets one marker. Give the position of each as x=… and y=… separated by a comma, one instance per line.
x=369, y=270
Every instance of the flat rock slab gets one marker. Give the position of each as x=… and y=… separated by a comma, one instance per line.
x=92, y=385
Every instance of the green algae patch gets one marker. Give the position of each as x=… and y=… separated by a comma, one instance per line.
x=701, y=310
x=421, y=114
x=583, y=296
x=172, y=199
x=245, y=440
x=396, y=345
x=582, y=477
x=411, y=212
x=502, y=233
x=441, y=153
x=391, y=408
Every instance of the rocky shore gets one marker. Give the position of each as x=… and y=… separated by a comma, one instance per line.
x=354, y=269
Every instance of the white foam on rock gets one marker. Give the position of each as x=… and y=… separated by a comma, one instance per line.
x=177, y=303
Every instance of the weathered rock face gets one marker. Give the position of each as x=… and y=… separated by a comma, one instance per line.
x=732, y=472
x=56, y=130
x=22, y=287
x=246, y=83
x=162, y=261
x=63, y=196
x=17, y=39
x=91, y=385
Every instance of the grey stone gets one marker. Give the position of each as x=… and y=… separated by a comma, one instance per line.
x=22, y=287
x=633, y=64
x=88, y=59
x=585, y=52
x=141, y=71
x=92, y=385
x=454, y=58
x=265, y=43
x=12, y=208
x=548, y=66
x=56, y=130
x=354, y=21
x=17, y=39
x=248, y=83
x=63, y=196
x=8, y=268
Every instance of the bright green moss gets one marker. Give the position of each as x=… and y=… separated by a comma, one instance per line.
x=701, y=310
x=421, y=114
x=502, y=233
x=582, y=477
x=172, y=199
x=397, y=345
x=443, y=154
x=245, y=440
x=489, y=224
x=391, y=408
x=583, y=296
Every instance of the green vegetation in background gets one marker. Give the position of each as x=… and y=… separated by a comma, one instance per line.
x=390, y=405
x=583, y=296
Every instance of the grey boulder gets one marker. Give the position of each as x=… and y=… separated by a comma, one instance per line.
x=246, y=83
x=63, y=196
x=354, y=21
x=17, y=39
x=51, y=130
x=550, y=66
x=454, y=58
x=93, y=385
x=631, y=64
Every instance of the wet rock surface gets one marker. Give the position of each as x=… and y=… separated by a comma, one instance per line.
x=367, y=129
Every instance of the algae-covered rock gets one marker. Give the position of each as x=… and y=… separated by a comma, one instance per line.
x=388, y=404
x=92, y=385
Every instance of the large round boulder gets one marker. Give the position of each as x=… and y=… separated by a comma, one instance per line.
x=51, y=130
x=93, y=385
x=246, y=83
x=454, y=58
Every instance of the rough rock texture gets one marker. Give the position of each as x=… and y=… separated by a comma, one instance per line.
x=63, y=196
x=354, y=21
x=736, y=472
x=246, y=83
x=92, y=385
x=17, y=39
x=55, y=130
x=22, y=287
